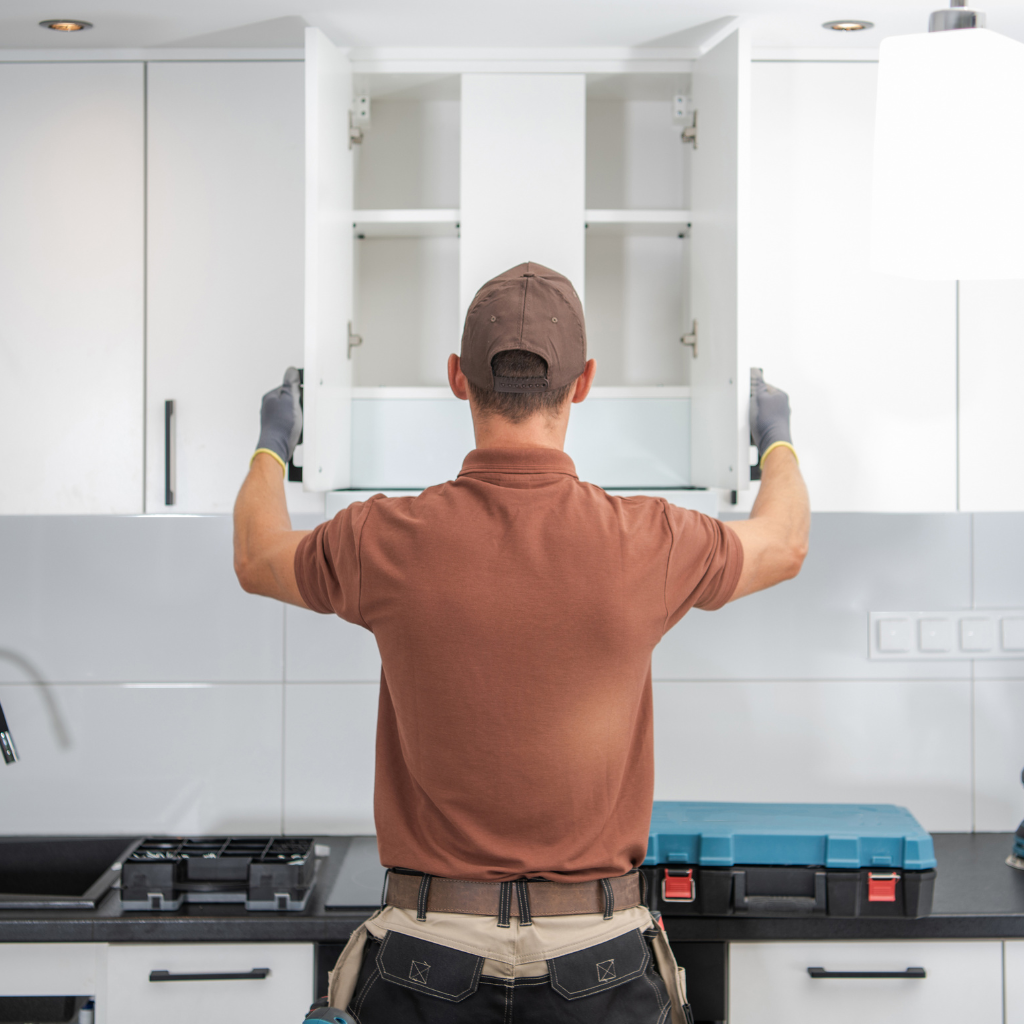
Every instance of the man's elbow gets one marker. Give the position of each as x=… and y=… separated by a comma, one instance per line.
x=248, y=578
x=794, y=560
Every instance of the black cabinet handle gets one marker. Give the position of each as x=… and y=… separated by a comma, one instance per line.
x=910, y=972
x=169, y=452
x=257, y=973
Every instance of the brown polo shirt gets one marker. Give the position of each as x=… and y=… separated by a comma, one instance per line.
x=515, y=609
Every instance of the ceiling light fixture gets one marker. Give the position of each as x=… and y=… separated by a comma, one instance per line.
x=66, y=25
x=949, y=153
x=848, y=25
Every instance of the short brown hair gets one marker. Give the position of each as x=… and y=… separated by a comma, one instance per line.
x=519, y=405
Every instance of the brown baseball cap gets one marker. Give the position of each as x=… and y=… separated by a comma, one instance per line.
x=528, y=307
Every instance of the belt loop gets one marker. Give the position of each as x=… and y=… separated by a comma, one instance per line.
x=609, y=898
x=384, y=888
x=421, y=899
x=643, y=889
x=504, y=905
x=523, y=895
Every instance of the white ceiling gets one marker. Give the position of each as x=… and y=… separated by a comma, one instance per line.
x=490, y=23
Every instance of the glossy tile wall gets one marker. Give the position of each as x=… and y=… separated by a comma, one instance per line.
x=147, y=692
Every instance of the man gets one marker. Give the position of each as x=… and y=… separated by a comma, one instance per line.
x=516, y=610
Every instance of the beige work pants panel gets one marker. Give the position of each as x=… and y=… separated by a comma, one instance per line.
x=514, y=952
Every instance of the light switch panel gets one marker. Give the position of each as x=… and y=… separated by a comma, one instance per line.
x=894, y=636
x=977, y=634
x=1013, y=635
x=970, y=634
x=935, y=635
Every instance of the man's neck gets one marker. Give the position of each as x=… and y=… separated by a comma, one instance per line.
x=539, y=431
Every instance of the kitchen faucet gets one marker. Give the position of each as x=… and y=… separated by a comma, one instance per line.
x=10, y=751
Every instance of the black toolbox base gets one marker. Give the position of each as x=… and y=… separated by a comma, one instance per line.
x=759, y=891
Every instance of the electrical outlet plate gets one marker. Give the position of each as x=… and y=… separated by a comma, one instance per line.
x=989, y=634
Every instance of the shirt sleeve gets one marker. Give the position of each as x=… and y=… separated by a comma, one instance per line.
x=704, y=563
x=328, y=567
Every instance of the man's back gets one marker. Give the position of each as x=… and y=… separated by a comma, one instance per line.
x=515, y=610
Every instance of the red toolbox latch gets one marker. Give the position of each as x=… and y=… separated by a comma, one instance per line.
x=882, y=886
x=678, y=886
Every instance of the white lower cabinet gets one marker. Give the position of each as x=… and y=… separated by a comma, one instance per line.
x=770, y=982
x=52, y=968
x=192, y=993
x=1013, y=972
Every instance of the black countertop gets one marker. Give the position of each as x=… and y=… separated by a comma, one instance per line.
x=976, y=896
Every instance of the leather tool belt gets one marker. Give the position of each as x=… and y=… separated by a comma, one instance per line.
x=523, y=899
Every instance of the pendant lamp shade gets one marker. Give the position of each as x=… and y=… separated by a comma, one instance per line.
x=949, y=157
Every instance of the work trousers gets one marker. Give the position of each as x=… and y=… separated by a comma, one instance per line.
x=465, y=969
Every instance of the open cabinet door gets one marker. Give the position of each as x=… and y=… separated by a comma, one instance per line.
x=327, y=444
x=720, y=373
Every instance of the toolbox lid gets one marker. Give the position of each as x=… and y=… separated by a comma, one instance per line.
x=847, y=836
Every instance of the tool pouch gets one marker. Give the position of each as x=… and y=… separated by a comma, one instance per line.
x=342, y=979
x=672, y=974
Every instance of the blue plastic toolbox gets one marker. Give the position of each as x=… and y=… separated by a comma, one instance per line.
x=773, y=860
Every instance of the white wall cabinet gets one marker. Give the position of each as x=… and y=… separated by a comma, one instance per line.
x=769, y=983
x=869, y=360
x=71, y=287
x=225, y=268
x=283, y=993
x=498, y=170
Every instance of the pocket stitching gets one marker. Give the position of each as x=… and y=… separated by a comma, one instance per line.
x=428, y=989
x=603, y=986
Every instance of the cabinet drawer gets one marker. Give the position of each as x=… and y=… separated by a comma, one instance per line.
x=283, y=993
x=51, y=968
x=1014, y=968
x=770, y=982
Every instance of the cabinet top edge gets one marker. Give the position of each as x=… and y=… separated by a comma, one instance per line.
x=150, y=55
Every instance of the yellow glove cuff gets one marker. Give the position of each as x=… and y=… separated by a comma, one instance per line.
x=284, y=465
x=770, y=449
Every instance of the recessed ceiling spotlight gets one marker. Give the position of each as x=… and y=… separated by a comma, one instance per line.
x=66, y=25
x=848, y=25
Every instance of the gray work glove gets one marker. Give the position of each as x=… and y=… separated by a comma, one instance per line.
x=769, y=414
x=281, y=418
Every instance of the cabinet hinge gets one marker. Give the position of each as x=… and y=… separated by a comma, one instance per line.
x=358, y=120
x=691, y=339
x=354, y=340
x=690, y=134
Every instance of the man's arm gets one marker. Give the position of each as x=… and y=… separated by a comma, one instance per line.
x=265, y=542
x=774, y=538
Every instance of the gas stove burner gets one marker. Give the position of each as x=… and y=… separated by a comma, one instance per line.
x=263, y=872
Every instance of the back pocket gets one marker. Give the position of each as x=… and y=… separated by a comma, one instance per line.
x=429, y=968
x=600, y=968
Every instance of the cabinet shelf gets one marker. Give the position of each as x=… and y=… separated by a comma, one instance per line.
x=416, y=223
x=638, y=222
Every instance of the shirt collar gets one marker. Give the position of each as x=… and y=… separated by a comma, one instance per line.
x=517, y=460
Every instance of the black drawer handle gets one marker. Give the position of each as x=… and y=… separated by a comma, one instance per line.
x=257, y=973
x=910, y=972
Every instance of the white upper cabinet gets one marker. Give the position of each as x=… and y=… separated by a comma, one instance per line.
x=329, y=271
x=71, y=287
x=225, y=270
x=869, y=360
x=575, y=161
x=720, y=266
x=523, y=176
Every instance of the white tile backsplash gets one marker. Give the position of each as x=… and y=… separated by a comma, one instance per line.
x=330, y=735
x=326, y=649
x=143, y=757
x=906, y=742
x=998, y=754
x=130, y=599
x=145, y=692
